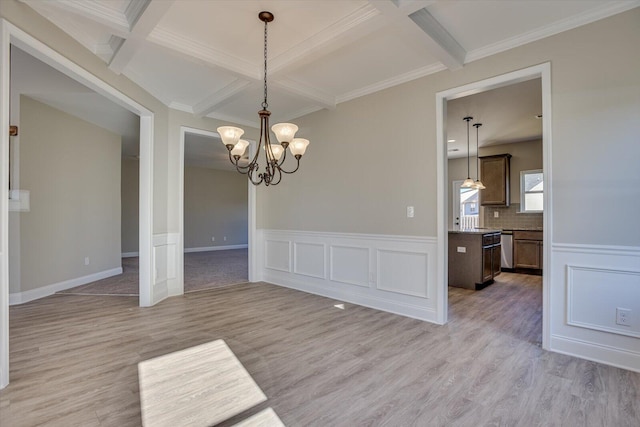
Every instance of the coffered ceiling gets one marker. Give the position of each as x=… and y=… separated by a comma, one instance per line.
x=205, y=57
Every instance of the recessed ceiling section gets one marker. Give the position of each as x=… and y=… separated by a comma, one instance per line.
x=244, y=108
x=381, y=57
x=481, y=24
x=182, y=80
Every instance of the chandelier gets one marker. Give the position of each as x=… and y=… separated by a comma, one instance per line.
x=470, y=183
x=274, y=154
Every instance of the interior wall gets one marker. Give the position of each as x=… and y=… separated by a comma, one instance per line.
x=525, y=156
x=372, y=156
x=72, y=170
x=215, y=205
x=130, y=197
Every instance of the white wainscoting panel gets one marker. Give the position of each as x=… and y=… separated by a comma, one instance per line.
x=350, y=265
x=403, y=272
x=309, y=259
x=594, y=295
x=165, y=263
x=278, y=255
x=390, y=273
x=587, y=284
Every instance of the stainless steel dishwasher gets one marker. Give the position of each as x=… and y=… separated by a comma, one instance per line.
x=506, y=240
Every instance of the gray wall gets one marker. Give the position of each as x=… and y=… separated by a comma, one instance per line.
x=215, y=205
x=72, y=170
x=130, y=203
x=525, y=156
x=372, y=156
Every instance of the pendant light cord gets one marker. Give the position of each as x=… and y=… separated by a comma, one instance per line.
x=265, y=105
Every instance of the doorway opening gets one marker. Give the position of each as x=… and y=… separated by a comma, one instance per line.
x=216, y=215
x=450, y=197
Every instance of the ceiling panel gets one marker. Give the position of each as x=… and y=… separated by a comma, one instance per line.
x=381, y=56
x=181, y=79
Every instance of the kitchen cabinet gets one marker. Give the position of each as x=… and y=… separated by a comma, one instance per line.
x=474, y=258
x=528, y=250
x=495, y=175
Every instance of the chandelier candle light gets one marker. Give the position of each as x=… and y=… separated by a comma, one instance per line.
x=274, y=154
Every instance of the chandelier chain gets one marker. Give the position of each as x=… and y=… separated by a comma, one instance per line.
x=265, y=105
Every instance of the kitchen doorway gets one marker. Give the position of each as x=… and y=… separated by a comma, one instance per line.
x=445, y=191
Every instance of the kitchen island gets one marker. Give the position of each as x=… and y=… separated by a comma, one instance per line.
x=474, y=257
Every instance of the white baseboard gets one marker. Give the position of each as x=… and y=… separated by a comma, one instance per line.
x=130, y=254
x=215, y=248
x=45, y=291
x=600, y=353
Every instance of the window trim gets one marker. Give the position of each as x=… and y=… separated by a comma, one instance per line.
x=523, y=192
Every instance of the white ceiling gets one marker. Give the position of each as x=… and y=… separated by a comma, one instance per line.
x=205, y=57
x=507, y=114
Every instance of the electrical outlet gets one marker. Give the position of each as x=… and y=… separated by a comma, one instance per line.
x=462, y=249
x=410, y=212
x=623, y=316
x=87, y=261
x=225, y=238
x=496, y=214
x=213, y=239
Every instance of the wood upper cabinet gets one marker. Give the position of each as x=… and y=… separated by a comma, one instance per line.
x=494, y=173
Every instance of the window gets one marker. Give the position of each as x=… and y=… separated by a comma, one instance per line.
x=531, y=191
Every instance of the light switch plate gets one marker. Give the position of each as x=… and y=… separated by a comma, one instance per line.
x=462, y=249
x=410, y=212
x=496, y=214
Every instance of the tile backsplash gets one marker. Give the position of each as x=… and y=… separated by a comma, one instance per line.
x=511, y=218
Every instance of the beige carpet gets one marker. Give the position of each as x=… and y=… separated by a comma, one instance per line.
x=202, y=270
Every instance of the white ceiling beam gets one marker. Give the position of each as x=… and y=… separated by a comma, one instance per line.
x=410, y=6
x=206, y=53
x=313, y=94
x=143, y=18
x=95, y=11
x=221, y=97
x=424, y=32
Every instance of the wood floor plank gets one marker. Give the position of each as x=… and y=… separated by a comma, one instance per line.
x=74, y=360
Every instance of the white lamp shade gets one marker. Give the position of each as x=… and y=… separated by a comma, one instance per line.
x=468, y=183
x=239, y=148
x=277, y=150
x=298, y=146
x=284, y=131
x=478, y=185
x=230, y=135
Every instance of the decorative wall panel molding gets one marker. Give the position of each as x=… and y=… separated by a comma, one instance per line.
x=390, y=273
x=587, y=284
x=350, y=265
x=277, y=255
x=594, y=295
x=309, y=259
x=403, y=272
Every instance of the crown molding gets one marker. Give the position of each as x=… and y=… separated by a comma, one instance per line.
x=134, y=10
x=181, y=107
x=95, y=11
x=221, y=97
x=311, y=93
x=604, y=11
x=393, y=81
x=144, y=84
x=205, y=52
x=302, y=112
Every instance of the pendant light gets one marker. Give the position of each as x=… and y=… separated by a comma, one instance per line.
x=468, y=183
x=478, y=184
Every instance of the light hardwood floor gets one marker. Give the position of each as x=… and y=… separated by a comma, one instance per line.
x=74, y=360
